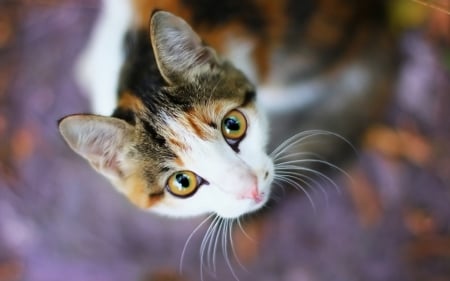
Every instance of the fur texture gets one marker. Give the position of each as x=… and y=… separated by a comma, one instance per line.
x=170, y=115
x=177, y=87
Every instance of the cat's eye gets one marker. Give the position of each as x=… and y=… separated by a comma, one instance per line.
x=183, y=183
x=234, y=127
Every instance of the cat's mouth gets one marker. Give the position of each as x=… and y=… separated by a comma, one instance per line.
x=244, y=206
x=253, y=194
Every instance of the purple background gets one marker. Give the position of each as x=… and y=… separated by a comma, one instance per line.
x=59, y=220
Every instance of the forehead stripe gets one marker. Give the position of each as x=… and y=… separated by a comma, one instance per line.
x=180, y=145
x=196, y=124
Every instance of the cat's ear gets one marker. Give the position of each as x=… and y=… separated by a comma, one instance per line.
x=98, y=139
x=179, y=51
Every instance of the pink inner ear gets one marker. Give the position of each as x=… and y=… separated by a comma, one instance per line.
x=102, y=154
x=113, y=165
x=109, y=165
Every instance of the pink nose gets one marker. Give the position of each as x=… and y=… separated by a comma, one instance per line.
x=253, y=193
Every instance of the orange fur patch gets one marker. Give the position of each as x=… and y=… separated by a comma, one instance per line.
x=129, y=101
x=197, y=126
x=138, y=193
x=179, y=162
x=200, y=120
x=154, y=199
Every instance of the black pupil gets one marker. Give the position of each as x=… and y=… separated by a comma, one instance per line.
x=232, y=124
x=183, y=180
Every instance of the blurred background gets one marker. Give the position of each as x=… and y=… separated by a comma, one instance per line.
x=59, y=220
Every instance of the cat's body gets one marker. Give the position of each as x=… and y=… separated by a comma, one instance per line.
x=177, y=97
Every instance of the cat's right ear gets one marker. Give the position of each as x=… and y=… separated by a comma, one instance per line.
x=98, y=139
x=179, y=51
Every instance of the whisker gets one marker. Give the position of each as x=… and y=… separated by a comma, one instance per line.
x=217, y=222
x=310, y=170
x=183, y=252
x=299, y=187
x=233, y=249
x=216, y=242
x=301, y=137
x=213, y=232
x=307, y=180
x=326, y=163
x=296, y=154
x=288, y=143
x=225, y=249
x=243, y=230
x=204, y=243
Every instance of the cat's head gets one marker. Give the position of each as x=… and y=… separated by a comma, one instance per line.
x=192, y=146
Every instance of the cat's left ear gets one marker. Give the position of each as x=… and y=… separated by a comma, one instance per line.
x=179, y=51
x=100, y=140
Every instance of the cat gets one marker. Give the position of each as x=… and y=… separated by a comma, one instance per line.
x=187, y=137
x=190, y=131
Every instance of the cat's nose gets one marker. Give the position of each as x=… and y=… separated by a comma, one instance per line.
x=253, y=193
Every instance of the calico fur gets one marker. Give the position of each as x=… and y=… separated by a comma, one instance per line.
x=307, y=64
x=174, y=94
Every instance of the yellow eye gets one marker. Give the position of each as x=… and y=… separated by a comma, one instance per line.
x=183, y=184
x=234, y=125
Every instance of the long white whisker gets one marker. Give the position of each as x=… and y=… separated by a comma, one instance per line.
x=307, y=180
x=243, y=230
x=283, y=168
x=206, y=243
x=189, y=239
x=289, y=143
x=225, y=249
x=301, y=137
x=233, y=249
x=282, y=186
x=218, y=233
x=214, y=244
x=295, y=154
x=299, y=161
x=216, y=222
x=292, y=140
x=298, y=186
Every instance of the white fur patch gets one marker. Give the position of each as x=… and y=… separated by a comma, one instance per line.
x=98, y=67
x=229, y=174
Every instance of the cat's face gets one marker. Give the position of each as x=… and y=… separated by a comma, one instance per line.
x=195, y=145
